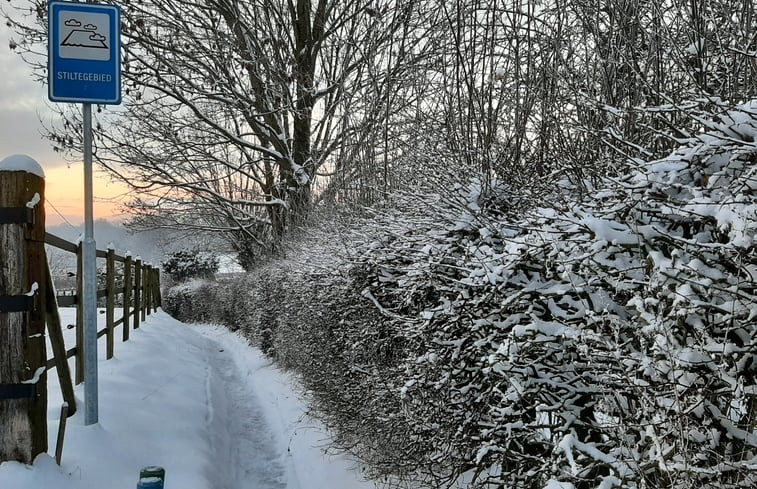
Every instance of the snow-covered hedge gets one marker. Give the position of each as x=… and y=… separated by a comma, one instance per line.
x=605, y=340
x=193, y=301
x=610, y=342
x=190, y=263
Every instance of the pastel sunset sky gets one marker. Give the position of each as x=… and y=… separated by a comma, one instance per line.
x=23, y=104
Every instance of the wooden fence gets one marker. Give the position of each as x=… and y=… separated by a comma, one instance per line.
x=138, y=286
x=28, y=303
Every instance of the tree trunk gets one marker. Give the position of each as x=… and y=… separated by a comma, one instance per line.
x=307, y=34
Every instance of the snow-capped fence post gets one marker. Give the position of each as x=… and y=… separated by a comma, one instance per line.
x=23, y=358
x=137, y=287
x=145, y=291
x=79, y=359
x=158, y=299
x=146, y=288
x=110, y=301
x=153, y=289
x=127, y=296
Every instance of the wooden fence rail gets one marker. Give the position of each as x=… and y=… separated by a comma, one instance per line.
x=138, y=287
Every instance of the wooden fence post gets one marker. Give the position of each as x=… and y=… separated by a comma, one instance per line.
x=157, y=303
x=154, y=289
x=145, y=291
x=79, y=357
x=151, y=295
x=127, y=296
x=153, y=285
x=23, y=356
x=137, y=287
x=110, y=301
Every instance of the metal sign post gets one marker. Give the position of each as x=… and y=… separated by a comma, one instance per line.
x=85, y=67
x=89, y=280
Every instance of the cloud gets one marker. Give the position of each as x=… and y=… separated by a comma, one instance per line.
x=72, y=23
x=96, y=37
x=21, y=132
x=90, y=27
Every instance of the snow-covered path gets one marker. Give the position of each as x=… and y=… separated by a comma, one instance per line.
x=240, y=437
x=198, y=401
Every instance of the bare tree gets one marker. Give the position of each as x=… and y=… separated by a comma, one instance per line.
x=232, y=108
x=240, y=114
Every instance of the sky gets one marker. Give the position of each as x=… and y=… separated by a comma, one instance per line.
x=23, y=105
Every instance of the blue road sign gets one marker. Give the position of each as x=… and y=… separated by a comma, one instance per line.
x=84, y=64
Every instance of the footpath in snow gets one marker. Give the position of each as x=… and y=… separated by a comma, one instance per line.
x=198, y=401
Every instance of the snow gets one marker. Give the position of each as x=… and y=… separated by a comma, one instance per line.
x=228, y=264
x=553, y=484
x=300, y=174
x=35, y=378
x=609, y=482
x=35, y=200
x=190, y=285
x=33, y=290
x=197, y=401
x=566, y=445
x=22, y=163
x=693, y=357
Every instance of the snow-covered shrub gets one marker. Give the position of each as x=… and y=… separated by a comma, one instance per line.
x=193, y=301
x=608, y=342
x=350, y=362
x=186, y=264
x=605, y=340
